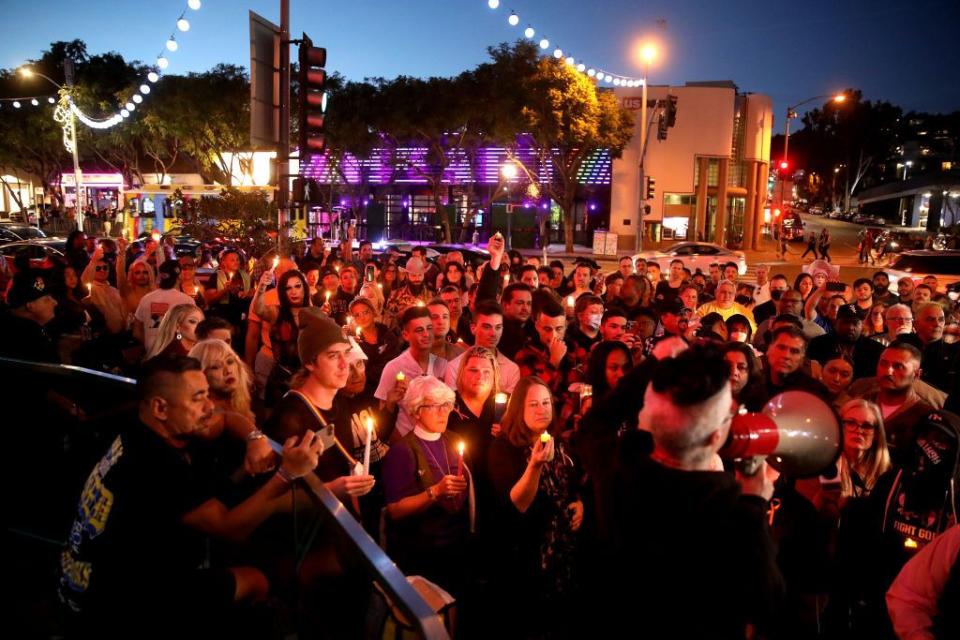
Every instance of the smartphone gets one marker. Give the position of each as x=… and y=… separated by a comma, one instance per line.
x=836, y=286
x=369, y=273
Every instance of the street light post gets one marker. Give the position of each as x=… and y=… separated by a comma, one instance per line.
x=647, y=54
x=71, y=124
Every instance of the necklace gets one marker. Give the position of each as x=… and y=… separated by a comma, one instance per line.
x=446, y=459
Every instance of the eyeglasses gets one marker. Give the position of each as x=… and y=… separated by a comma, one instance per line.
x=899, y=319
x=862, y=426
x=101, y=268
x=446, y=406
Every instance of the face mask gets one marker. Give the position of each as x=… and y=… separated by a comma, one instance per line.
x=775, y=294
x=593, y=321
x=738, y=336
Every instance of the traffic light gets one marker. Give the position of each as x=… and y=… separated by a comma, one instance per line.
x=662, y=128
x=784, y=165
x=313, y=98
x=651, y=188
x=671, y=111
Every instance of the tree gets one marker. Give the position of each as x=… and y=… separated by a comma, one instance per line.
x=567, y=119
x=248, y=219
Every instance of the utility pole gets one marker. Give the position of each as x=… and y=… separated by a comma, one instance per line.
x=283, y=152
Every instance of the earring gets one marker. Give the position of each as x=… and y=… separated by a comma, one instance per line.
x=179, y=336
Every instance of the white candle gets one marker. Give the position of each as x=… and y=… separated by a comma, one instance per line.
x=366, y=450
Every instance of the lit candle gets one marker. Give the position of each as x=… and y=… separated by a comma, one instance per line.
x=276, y=262
x=586, y=391
x=89, y=288
x=499, y=407
x=336, y=268
x=196, y=291
x=544, y=438
x=460, y=448
x=571, y=301
x=420, y=303
x=380, y=286
x=326, y=296
x=401, y=377
x=155, y=236
x=366, y=449
x=506, y=278
x=359, y=332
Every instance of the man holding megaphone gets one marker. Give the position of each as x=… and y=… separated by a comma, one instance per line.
x=690, y=537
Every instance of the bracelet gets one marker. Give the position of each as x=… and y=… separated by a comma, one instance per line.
x=284, y=475
x=256, y=434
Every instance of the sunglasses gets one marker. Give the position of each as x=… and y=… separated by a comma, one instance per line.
x=101, y=268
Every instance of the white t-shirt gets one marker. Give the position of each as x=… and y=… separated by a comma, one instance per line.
x=153, y=307
x=406, y=363
x=509, y=372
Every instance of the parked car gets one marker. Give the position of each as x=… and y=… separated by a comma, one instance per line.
x=12, y=232
x=815, y=211
x=43, y=252
x=696, y=255
x=917, y=264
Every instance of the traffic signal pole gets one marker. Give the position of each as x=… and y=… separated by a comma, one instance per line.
x=283, y=150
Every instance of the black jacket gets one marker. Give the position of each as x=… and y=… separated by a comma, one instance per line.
x=695, y=558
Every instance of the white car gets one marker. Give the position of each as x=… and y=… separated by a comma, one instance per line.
x=696, y=255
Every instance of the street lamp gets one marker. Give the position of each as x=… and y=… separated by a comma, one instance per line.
x=509, y=172
x=647, y=54
x=27, y=72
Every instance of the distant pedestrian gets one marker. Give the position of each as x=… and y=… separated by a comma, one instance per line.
x=811, y=246
x=824, y=245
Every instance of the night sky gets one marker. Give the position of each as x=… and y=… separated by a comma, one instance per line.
x=901, y=51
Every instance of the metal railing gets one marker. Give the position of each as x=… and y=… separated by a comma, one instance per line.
x=100, y=398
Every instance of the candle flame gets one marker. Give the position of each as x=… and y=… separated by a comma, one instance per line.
x=370, y=424
x=326, y=295
x=276, y=262
x=500, y=398
x=570, y=301
x=544, y=438
x=401, y=377
x=910, y=543
x=380, y=286
x=359, y=331
x=461, y=447
x=420, y=303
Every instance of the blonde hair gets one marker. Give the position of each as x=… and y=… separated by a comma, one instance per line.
x=169, y=327
x=876, y=461
x=485, y=354
x=213, y=351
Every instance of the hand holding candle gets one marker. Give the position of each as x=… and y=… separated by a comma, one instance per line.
x=571, y=301
x=460, y=448
x=546, y=442
x=89, y=289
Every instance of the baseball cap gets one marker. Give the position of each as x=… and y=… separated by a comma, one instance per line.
x=27, y=287
x=848, y=312
x=169, y=273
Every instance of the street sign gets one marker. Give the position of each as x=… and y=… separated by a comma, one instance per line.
x=264, y=83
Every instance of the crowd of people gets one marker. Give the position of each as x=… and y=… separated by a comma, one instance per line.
x=542, y=444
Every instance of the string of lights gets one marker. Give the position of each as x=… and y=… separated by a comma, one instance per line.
x=171, y=46
x=594, y=72
x=31, y=101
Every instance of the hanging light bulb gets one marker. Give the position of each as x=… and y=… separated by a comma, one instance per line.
x=124, y=113
x=130, y=106
x=581, y=67
x=51, y=100
x=194, y=4
x=137, y=98
x=616, y=82
x=558, y=53
x=16, y=104
x=544, y=43
x=493, y=4
x=607, y=78
x=162, y=62
x=183, y=24
x=570, y=60
x=529, y=32
x=172, y=45
x=152, y=77
x=34, y=102
x=591, y=72
x=514, y=19
x=144, y=89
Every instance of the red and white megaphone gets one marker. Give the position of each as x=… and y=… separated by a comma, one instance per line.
x=797, y=431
